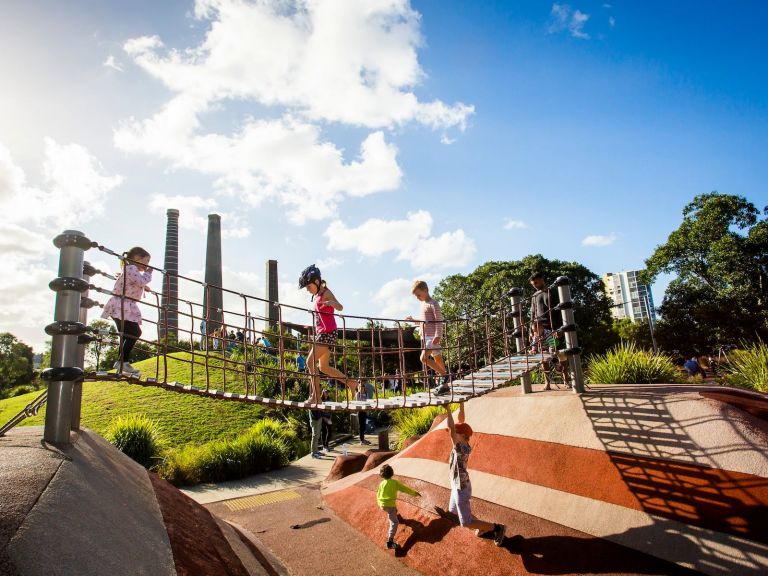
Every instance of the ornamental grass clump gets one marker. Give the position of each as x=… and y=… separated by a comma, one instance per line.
x=748, y=367
x=624, y=364
x=411, y=422
x=137, y=437
x=266, y=445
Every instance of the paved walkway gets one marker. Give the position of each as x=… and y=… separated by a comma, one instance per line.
x=283, y=512
x=306, y=471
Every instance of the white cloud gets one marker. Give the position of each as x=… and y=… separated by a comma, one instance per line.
x=74, y=191
x=396, y=299
x=348, y=62
x=282, y=159
x=329, y=263
x=411, y=238
x=611, y=21
x=189, y=207
x=193, y=214
x=312, y=62
x=599, y=240
x=510, y=224
x=110, y=62
x=566, y=18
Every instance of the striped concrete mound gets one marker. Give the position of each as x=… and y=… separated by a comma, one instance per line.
x=621, y=480
x=88, y=509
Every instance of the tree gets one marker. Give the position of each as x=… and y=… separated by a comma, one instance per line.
x=16, y=360
x=720, y=256
x=637, y=333
x=489, y=283
x=106, y=337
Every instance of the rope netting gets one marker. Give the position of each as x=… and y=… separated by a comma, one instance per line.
x=234, y=352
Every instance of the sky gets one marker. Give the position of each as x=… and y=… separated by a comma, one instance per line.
x=383, y=140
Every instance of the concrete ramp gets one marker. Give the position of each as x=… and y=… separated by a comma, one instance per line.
x=90, y=510
x=622, y=480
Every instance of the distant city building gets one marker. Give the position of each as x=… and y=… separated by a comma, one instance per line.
x=631, y=299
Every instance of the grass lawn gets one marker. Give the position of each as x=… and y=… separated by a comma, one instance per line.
x=221, y=373
x=182, y=418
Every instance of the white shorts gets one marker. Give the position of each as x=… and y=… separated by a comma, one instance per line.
x=459, y=504
x=433, y=348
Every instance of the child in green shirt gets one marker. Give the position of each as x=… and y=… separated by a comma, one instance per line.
x=386, y=496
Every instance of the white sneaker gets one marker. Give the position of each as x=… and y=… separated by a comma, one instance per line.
x=128, y=370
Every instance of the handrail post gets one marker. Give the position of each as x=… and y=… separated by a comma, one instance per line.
x=77, y=387
x=65, y=329
x=569, y=329
x=516, y=300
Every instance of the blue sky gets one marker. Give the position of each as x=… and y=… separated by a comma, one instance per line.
x=383, y=140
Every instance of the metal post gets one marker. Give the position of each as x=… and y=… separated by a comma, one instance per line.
x=516, y=299
x=65, y=329
x=83, y=340
x=572, y=349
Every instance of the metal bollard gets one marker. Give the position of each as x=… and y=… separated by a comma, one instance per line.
x=65, y=329
x=83, y=340
x=515, y=297
x=569, y=329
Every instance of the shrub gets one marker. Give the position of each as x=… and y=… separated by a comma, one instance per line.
x=624, y=364
x=137, y=437
x=414, y=421
x=268, y=444
x=748, y=367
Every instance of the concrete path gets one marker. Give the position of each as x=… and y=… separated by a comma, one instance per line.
x=306, y=471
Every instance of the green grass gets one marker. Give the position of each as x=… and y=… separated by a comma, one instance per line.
x=748, y=367
x=266, y=445
x=138, y=437
x=624, y=364
x=411, y=422
x=181, y=418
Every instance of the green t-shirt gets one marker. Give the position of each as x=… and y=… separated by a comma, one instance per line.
x=386, y=495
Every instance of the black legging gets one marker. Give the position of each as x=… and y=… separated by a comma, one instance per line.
x=325, y=433
x=362, y=419
x=131, y=332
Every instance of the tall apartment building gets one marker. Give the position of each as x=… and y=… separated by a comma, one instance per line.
x=631, y=299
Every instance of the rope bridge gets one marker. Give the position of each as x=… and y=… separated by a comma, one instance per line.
x=231, y=352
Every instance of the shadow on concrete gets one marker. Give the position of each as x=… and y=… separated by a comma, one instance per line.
x=671, y=476
x=310, y=523
x=574, y=555
x=431, y=532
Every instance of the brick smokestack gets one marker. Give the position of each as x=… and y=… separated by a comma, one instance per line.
x=212, y=297
x=270, y=312
x=170, y=301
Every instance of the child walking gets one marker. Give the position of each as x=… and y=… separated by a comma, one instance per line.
x=461, y=487
x=123, y=306
x=325, y=332
x=431, y=334
x=386, y=496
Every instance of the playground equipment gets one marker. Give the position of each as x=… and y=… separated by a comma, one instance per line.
x=483, y=349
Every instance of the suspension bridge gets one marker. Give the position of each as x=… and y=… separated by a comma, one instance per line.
x=226, y=355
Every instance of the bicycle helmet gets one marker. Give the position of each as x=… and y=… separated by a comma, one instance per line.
x=309, y=274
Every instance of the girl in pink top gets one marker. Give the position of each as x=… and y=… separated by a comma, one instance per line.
x=325, y=332
x=123, y=306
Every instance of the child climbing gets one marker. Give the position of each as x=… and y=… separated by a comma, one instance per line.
x=461, y=487
x=431, y=320
x=325, y=332
x=123, y=306
x=386, y=496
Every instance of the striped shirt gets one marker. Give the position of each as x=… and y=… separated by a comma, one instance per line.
x=432, y=319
